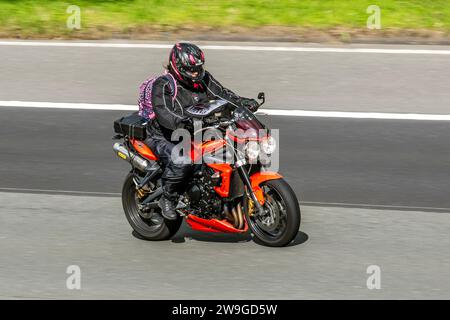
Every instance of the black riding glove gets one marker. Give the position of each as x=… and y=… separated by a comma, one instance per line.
x=250, y=104
x=186, y=122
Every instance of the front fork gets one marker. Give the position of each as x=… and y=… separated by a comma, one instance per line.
x=246, y=179
x=240, y=166
x=256, y=178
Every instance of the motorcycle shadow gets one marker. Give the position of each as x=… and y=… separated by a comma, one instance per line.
x=300, y=238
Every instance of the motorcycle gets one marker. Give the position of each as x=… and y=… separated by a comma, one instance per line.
x=234, y=195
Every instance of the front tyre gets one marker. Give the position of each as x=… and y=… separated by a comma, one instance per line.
x=139, y=221
x=281, y=221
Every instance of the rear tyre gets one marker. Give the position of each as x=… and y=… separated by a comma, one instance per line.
x=143, y=226
x=281, y=223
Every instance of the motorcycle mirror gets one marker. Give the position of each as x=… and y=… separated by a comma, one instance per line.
x=262, y=96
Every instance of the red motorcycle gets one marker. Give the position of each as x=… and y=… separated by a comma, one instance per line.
x=235, y=195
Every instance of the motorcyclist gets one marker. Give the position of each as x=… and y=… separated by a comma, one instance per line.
x=194, y=85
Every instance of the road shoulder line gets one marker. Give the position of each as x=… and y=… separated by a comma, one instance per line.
x=273, y=112
x=116, y=45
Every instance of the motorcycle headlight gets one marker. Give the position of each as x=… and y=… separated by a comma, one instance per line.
x=252, y=150
x=268, y=145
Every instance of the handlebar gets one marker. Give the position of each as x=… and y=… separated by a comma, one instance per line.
x=262, y=96
x=222, y=124
x=226, y=123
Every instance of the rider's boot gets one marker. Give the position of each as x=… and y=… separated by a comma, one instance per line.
x=168, y=204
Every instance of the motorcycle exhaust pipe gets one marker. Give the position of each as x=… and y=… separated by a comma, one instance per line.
x=137, y=161
x=241, y=216
x=235, y=218
x=228, y=213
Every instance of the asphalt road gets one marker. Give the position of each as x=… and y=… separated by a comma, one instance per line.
x=294, y=80
x=372, y=192
x=352, y=161
x=41, y=235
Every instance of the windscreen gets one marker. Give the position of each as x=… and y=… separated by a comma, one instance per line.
x=247, y=122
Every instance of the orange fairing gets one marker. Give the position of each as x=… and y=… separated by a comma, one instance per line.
x=198, y=150
x=213, y=145
x=213, y=225
x=143, y=149
x=225, y=173
x=257, y=178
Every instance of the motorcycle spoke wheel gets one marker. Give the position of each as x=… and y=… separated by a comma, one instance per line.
x=273, y=223
x=147, y=215
x=144, y=226
x=137, y=214
x=279, y=223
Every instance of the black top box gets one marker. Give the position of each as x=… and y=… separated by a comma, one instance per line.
x=132, y=125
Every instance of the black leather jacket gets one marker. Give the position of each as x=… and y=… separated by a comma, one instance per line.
x=170, y=112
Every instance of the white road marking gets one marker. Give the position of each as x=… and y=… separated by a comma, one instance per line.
x=64, y=105
x=274, y=112
x=357, y=115
x=370, y=206
x=21, y=190
x=223, y=47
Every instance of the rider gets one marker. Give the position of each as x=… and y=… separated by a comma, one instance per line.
x=193, y=85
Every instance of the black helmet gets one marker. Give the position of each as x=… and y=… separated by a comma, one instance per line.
x=186, y=63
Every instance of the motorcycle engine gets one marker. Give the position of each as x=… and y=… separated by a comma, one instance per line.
x=202, y=197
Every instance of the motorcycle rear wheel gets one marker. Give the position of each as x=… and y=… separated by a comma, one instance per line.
x=281, y=226
x=145, y=228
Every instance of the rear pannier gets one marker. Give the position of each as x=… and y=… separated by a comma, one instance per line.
x=133, y=126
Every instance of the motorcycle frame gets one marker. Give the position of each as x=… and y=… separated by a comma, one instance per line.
x=251, y=182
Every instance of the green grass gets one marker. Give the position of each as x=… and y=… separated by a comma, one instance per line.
x=25, y=18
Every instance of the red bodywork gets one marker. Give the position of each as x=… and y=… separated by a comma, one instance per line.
x=225, y=170
x=213, y=225
x=143, y=149
x=257, y=178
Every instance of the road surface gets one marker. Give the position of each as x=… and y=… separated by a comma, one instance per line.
x=372, y=192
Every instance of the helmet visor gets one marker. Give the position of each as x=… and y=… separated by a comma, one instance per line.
x=195, y=73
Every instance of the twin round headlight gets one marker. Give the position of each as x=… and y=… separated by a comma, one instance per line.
x=253, y=148
x=268, y=145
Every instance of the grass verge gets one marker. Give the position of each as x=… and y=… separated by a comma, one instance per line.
x=148, y=18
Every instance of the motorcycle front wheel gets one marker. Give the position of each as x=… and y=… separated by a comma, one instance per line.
x=141, y=222
x=280, y=223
